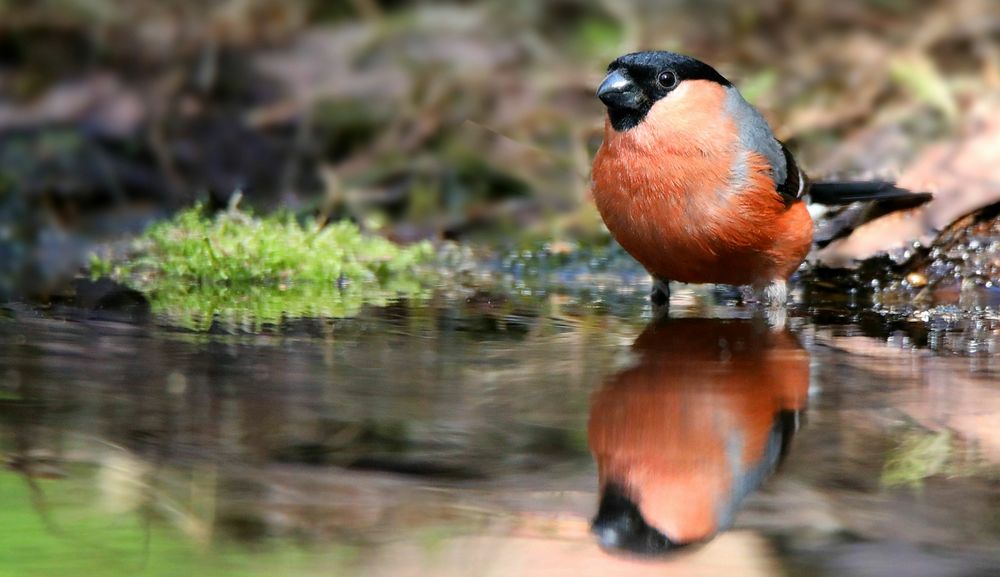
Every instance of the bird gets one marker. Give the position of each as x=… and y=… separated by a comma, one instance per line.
x=691, y=181
x=684, y=435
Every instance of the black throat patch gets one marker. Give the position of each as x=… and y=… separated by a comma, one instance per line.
x=619, y=525
x=623, y=119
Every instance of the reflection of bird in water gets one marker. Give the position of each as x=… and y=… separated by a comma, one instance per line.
x=681, y=438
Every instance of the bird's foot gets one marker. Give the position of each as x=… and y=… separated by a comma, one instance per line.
x=660, y=296
x=771, y=298
x=776, y=294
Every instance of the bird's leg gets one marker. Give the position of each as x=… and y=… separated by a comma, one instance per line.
x=770, y=298
x=772, y=293
x=773, y=296
x=776, y=293
x=777, y=317
x=661, y=293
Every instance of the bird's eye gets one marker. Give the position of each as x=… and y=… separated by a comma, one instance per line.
x=667, y=79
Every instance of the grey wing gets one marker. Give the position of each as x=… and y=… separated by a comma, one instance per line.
x=755, y=135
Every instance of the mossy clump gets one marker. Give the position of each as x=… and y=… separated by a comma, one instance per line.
x=245, y=270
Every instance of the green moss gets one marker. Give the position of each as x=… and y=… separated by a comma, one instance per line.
x=244, y=270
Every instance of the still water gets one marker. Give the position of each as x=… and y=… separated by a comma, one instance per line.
x=484, y=434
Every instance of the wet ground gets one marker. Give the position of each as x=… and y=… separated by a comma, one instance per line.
x=475, y=434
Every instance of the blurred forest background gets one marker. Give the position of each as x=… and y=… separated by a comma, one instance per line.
x=472, y=121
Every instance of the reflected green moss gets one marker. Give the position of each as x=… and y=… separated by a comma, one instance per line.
x=919, y=455
x=62, y=528
x=923, y=454
x=197, y=306
x=241, y=269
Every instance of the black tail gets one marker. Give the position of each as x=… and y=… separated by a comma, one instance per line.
x=836, y=193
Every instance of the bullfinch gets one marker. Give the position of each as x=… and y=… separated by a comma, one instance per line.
x=692, y=182
x=681, y=438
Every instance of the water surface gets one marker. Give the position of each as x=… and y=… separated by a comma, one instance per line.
x=451, y=438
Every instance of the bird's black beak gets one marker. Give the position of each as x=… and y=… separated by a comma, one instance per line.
x=618, y=91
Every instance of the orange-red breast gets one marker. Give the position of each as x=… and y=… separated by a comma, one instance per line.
x=691, y=181
x=681, y=438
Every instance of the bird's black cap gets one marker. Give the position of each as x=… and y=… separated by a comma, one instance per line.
x=636, y=81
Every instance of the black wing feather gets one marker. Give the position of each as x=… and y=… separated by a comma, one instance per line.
x=796, y=185
x=838, y=193
x=793, y=187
